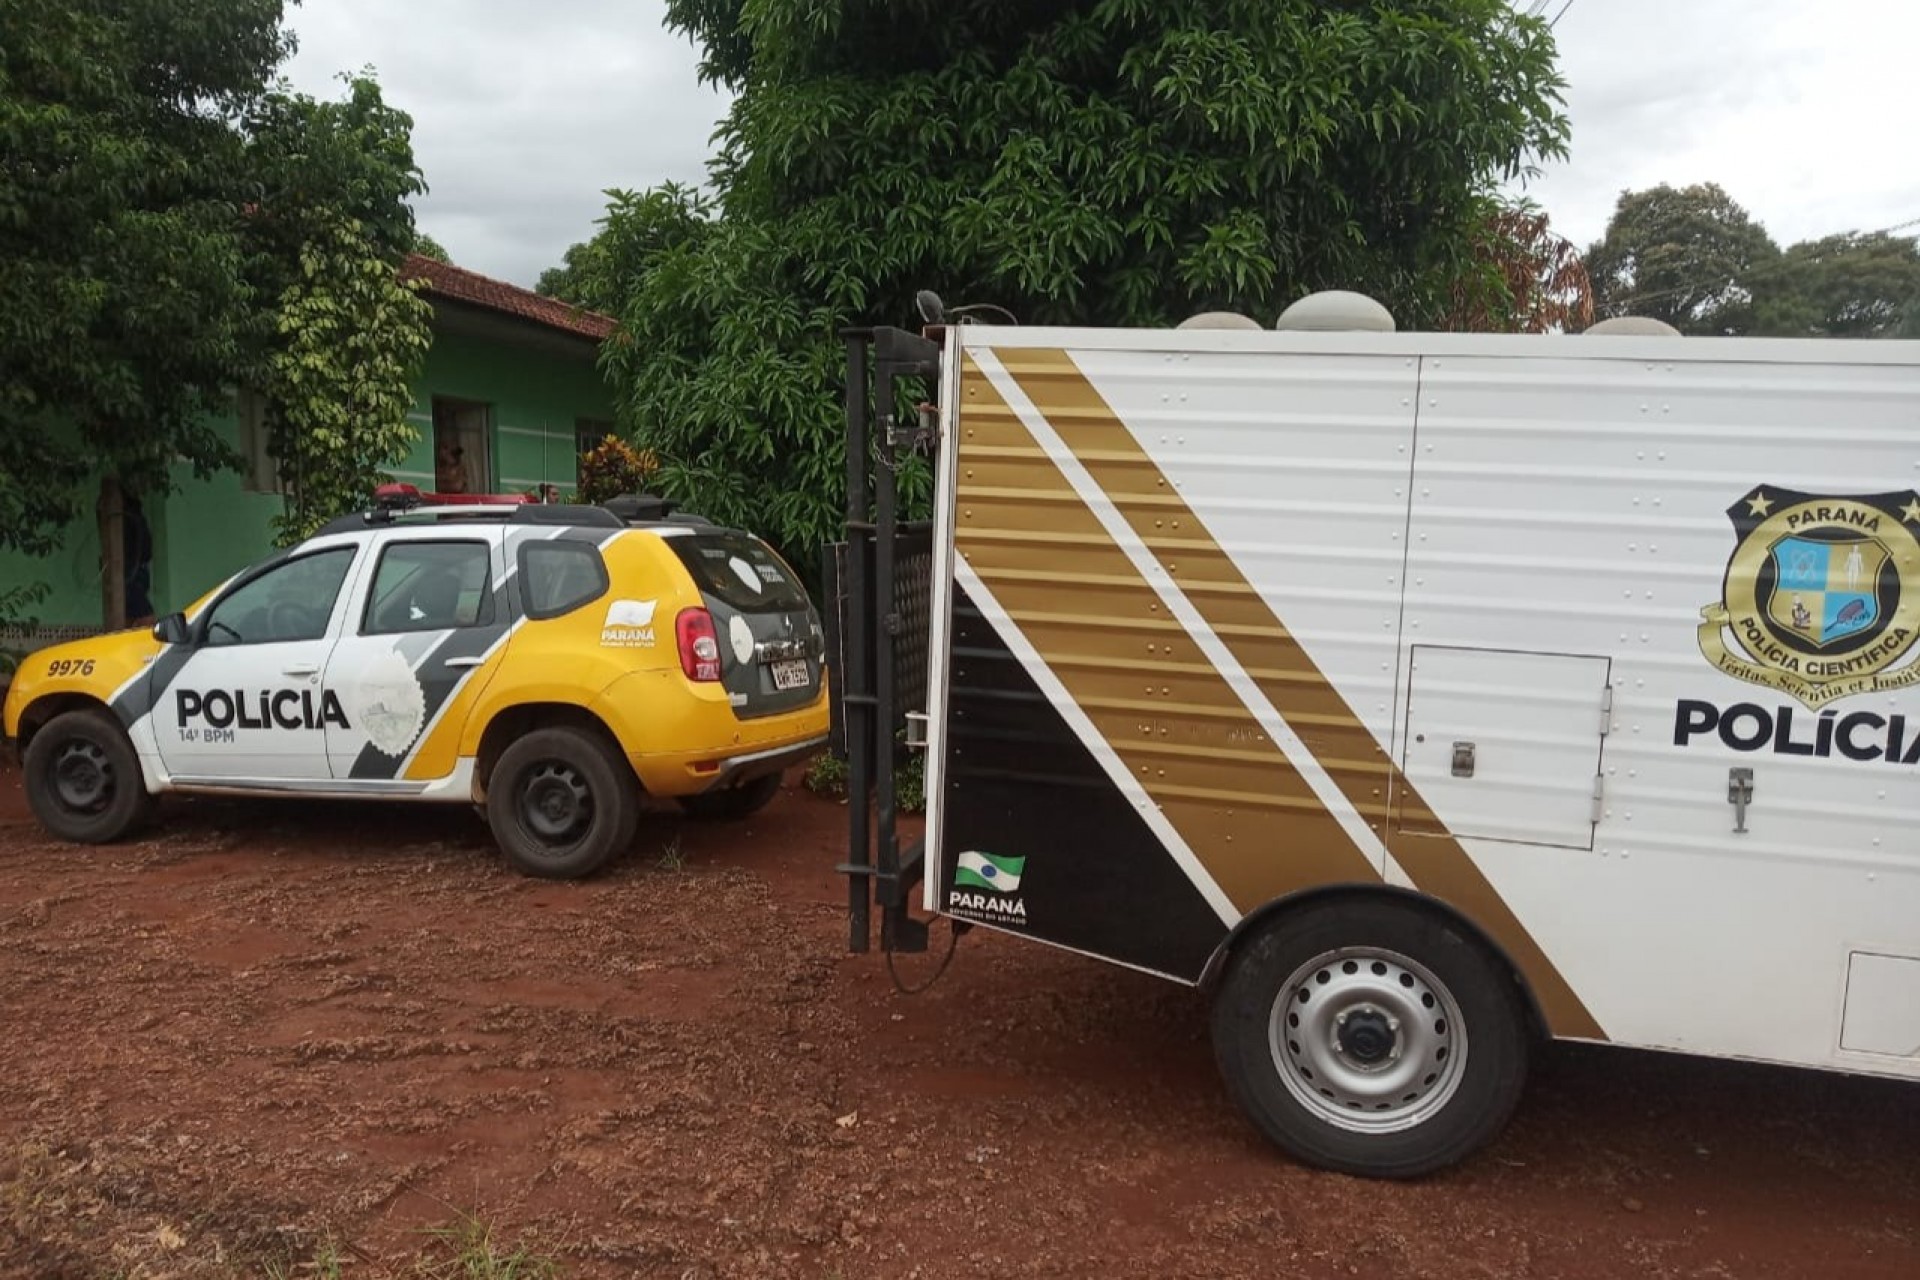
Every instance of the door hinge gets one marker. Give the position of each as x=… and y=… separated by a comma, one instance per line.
x=1599, y=796
x=1606, y=710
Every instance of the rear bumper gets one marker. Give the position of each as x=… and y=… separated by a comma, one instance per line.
x=761, y=763
x=690, y=773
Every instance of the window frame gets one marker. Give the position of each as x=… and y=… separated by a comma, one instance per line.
x=203, y=625
x=484, y=618
x=570, y=546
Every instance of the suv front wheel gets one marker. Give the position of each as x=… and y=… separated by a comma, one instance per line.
x=561, y=803
x=83, y=778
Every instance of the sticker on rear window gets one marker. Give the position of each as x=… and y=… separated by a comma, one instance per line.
x=743, y=570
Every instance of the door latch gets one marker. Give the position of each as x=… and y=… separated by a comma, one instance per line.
x=1463, y=753
x=1740, y=795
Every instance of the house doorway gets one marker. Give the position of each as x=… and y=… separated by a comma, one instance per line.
x=462, y=436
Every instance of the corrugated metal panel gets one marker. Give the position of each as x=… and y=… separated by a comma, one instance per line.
x=1580, y=506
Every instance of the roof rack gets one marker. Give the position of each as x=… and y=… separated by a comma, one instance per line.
x=394, y=502
x=650, y=508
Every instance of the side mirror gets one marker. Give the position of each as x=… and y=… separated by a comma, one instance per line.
x=172, y=629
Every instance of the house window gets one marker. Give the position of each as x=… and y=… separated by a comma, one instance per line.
x=587, y=436
x=262, y=469
x=462, y=434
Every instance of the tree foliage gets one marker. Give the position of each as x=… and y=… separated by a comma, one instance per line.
x=347, y=337
x=1696, y=259
x=1089, y=161
x=1531, y=280
x=125, y=302
x=339, y=382
x=1687, y=256
x=1843, y=286
x=159, y=195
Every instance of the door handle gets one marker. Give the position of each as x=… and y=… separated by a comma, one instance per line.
x=462, y=662
x=300, y=669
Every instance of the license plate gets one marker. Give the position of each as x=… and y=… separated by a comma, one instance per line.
x=791, y=675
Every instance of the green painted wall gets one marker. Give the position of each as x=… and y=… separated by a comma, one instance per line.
x=535, y=398
x=536, y=386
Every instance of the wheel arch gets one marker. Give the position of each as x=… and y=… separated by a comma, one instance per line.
x=523, y=718
x=1326, y=895
x=36, y=714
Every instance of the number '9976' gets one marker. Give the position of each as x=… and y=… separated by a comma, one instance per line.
x=70, y=667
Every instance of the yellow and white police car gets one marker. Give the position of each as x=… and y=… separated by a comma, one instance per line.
x=548, y=662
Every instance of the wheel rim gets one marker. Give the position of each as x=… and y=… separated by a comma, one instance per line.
x=1368, y=1040
x=556, y=805
x=83, y=779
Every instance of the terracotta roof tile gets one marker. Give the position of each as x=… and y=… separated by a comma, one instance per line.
x=457, y=284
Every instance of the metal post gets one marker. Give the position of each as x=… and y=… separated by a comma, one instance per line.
x=857, y=690
x=886, y=713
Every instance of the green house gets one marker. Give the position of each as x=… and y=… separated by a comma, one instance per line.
x=508, y=393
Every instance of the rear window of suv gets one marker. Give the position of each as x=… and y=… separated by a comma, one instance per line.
x=739, y=571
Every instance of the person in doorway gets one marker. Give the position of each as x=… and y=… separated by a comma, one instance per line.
x=136, y=549
x=450, y=467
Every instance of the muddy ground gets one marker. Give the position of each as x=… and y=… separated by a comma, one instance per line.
x=266, y=1036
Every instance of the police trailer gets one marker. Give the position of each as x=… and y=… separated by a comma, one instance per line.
x=1417, y=696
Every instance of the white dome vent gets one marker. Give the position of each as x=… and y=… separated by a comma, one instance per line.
x=1219, y=320
x=1634, y=327
x=1336, y=311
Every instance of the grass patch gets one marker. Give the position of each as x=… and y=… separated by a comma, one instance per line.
x=465, y=1249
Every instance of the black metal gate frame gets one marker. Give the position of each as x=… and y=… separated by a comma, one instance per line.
x=879, y=580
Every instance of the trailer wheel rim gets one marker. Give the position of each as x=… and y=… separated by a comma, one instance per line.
x=83, y=780
x=556, y=805
x=1368, y=1040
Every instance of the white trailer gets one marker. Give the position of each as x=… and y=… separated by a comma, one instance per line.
x=1417, y=695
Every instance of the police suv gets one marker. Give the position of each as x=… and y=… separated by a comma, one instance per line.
x=547, y=662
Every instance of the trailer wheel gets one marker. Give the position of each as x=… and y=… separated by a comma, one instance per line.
x=83, y=779
x=732, y=803
x=1371, y=1038
x=560, y=803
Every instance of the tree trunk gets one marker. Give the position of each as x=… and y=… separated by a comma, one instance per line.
x=113, y=555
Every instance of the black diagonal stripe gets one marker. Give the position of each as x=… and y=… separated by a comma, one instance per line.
x=465, y=642
x=138, y=699
x=473, y=642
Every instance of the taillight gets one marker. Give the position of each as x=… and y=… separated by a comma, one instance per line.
x=699, y=645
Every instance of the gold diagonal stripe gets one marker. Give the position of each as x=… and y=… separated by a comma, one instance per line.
x=1280, y=666
x=1166, y=712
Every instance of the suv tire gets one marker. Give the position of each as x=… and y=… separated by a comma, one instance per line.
x=733, y=803
x=83, y=779
x=560, y=803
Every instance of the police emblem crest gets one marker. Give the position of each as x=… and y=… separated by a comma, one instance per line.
x=1821, y=595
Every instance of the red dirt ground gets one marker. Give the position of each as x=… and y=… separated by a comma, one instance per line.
x=268, y=1026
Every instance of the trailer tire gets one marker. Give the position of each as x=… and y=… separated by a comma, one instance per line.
x=733, y=803
x=83, y=779
x=560, y=803
x=1372, y=1038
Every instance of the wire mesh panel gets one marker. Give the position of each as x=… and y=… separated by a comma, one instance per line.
x=912, y=596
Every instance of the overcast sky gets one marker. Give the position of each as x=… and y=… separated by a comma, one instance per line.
x=524, y=112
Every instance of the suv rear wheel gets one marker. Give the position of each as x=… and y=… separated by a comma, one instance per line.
x=561, y=803
x=83, y=779
x=734, y=802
